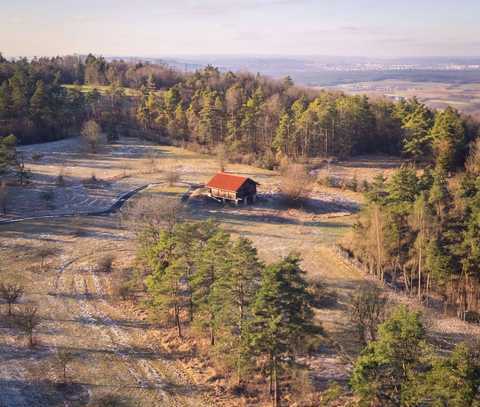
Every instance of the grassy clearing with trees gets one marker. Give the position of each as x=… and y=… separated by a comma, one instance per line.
x=260, y=316
x=256, y=320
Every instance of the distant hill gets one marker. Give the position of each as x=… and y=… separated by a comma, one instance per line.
x=333, y=70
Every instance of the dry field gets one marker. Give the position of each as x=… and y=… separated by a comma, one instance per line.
x=117, y=349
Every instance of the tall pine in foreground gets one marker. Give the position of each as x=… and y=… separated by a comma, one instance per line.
x=282, y=316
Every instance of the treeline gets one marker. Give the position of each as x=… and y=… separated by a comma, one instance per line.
x=258, y=119
x=36, y=107
x=93, y=70
x=252, y=118
x=257, y=318
x=421, y=231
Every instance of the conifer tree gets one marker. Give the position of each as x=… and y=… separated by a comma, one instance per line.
x=166, y=288
x=418, y=124
x=208, y=282
x=382, y=373
x=282, y=317
x=448, y=135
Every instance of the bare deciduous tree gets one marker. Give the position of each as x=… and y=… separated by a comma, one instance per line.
x=369, y=306
x=295, y=185
x=150, y=214
x=10, y=293
x=92, y=133
x=64, y=358
x=172, y=175
x=27, y=320
x=3, y=196
x=44, y=252
x=221, y=153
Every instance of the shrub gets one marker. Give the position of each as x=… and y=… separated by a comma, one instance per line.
x=172, y=176
x=122, y=285
x=47, y=196
x=105, y=263
x=27, y=320
x=365, y=186
x=10, y=293
x=268, y=160
x=4, y=196
x=369, y=307
x=352, y=184
x=60, y=181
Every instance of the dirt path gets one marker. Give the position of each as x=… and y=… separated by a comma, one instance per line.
x=113, y=348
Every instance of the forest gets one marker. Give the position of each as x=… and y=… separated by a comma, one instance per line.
x=252, y=118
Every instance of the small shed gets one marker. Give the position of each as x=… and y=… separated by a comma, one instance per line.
x=230, y=187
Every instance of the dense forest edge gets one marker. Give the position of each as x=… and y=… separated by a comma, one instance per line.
x=418, y=231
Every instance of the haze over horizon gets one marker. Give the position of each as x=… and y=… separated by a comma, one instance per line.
x=148, y=28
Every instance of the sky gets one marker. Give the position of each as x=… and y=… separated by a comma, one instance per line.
x=160, y=28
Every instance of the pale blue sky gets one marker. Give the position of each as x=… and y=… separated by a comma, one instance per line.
x=386, y=28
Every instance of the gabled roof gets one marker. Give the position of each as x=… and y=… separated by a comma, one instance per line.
x=228, y=182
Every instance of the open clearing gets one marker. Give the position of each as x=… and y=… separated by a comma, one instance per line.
x=118, y=350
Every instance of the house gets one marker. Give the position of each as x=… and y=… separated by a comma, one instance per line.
x=229, y=187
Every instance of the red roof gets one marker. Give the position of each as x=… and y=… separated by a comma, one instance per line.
x=227, y=182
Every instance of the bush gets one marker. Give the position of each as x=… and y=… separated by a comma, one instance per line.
x=322, y=296
x=352, y=184
x=268, y=160
x=472, y=317
x=47, y=196
x=92, y=134
x=92, y=181
x=60, y=181
x=369, y=306
x=332, y=395
x=365, y=186
x=172, y=176
x=105, y=263
x=296, y=185
x=122, y=285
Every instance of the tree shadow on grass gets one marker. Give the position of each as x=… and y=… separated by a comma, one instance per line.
x=19, y=392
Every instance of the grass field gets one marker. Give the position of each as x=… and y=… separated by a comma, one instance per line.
x=117, y=348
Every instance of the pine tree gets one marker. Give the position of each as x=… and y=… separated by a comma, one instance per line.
x=206, y=126
x=382, y=373
x=208, y=282
x=241, y=284
x=282, y=317
x=19, y=93
x=5, y=100
x=403, y=187
x=448, y=135
x=167, y=291
x=418, y=124
x=39, y=104
x=452, y=381
x=281, y=141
